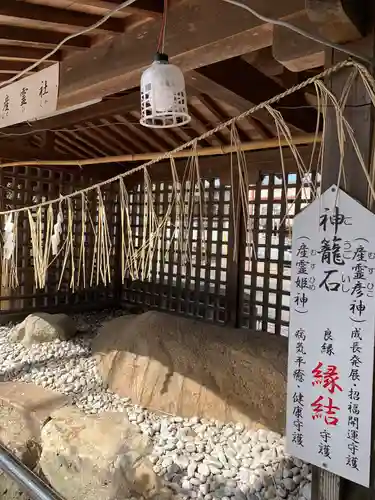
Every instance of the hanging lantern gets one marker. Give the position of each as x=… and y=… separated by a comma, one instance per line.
x=163, y=95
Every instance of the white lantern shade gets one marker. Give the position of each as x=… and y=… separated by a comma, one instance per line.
x=163, y=95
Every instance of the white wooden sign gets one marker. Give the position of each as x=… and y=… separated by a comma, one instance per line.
x=331, y=336
x=30, y=98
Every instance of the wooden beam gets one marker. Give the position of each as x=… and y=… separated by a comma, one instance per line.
x=198, y=35
x=359, y=114
x=48, y=17
x=150, y=8
x=27, y=54
x=14, y=33
x=248, y=82
x=105, y=108
x=17, y=66
x=340, y=21
x=295, y=52
x=19, y=150
x=204, y=85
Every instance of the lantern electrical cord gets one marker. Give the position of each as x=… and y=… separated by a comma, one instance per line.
x=67, y=39
x=296, y=29
x=161, y=41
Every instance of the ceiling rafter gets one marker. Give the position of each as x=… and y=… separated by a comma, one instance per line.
x=46, y=17
x=256, y=87
x=123, y=143
x=94, y=134
x=120, y=137
x=27, y=54
x=205, y=85
x=219, y=33
x=149, y=8
x=17, y=66
x=50, y=38
x=221, y=115
x=154, y=143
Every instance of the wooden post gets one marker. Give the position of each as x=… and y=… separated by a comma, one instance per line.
x=360, y=115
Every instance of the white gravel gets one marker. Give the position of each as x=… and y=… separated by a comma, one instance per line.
x=197, y=458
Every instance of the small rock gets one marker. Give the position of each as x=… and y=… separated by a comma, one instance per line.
x=195, y=481
x=204, y=469
x=204, y=489
x=305, y=471
x=282, y=492
x=186, y=485
x=287, y=473
x=258, y=485
x=289, y=484
x=270, y=493
x=190, y=447
x=192, y=467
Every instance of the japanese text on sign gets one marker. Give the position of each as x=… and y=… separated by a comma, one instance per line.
x=331, y=337
x=32, y=97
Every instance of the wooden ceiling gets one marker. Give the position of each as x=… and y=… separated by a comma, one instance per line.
x=231, y=62
x=29, y=28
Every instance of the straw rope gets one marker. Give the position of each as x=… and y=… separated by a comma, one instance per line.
x=150, y=233
x=191, y=144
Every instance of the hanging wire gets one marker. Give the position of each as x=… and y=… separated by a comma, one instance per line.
x=296, y=29
x=101, y=21
x=165, y=14
x=161, y=40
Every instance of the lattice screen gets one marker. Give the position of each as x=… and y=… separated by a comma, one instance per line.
x=196, y=286
x=266, y=274
x=31, y=185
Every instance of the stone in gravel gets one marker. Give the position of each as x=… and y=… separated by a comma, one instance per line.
x=289, y=484
x=244, y=475
x=190, y=447
x=204, y=470
x=305, y=470
x=182, y=462
x=297, y=479
x=214, y=470
x=195, y=481
x=96, y=457
x=229, y=473
x=258, y=484
x=191, y=469
x=270, y=493
x=281, y=491
x=287, y=473
x=170, y=445
x=204, y=489
x=43, y=327
x=186, y=484
x=228, y=432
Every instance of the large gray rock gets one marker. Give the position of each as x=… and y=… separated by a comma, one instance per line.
x=189, y=368
x=23, y=410
x=43, y=327
x=97, y=457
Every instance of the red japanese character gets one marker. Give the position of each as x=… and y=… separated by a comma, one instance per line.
x=329, y=411
x=318, y=374
x=330, y=378
x=331, y=418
